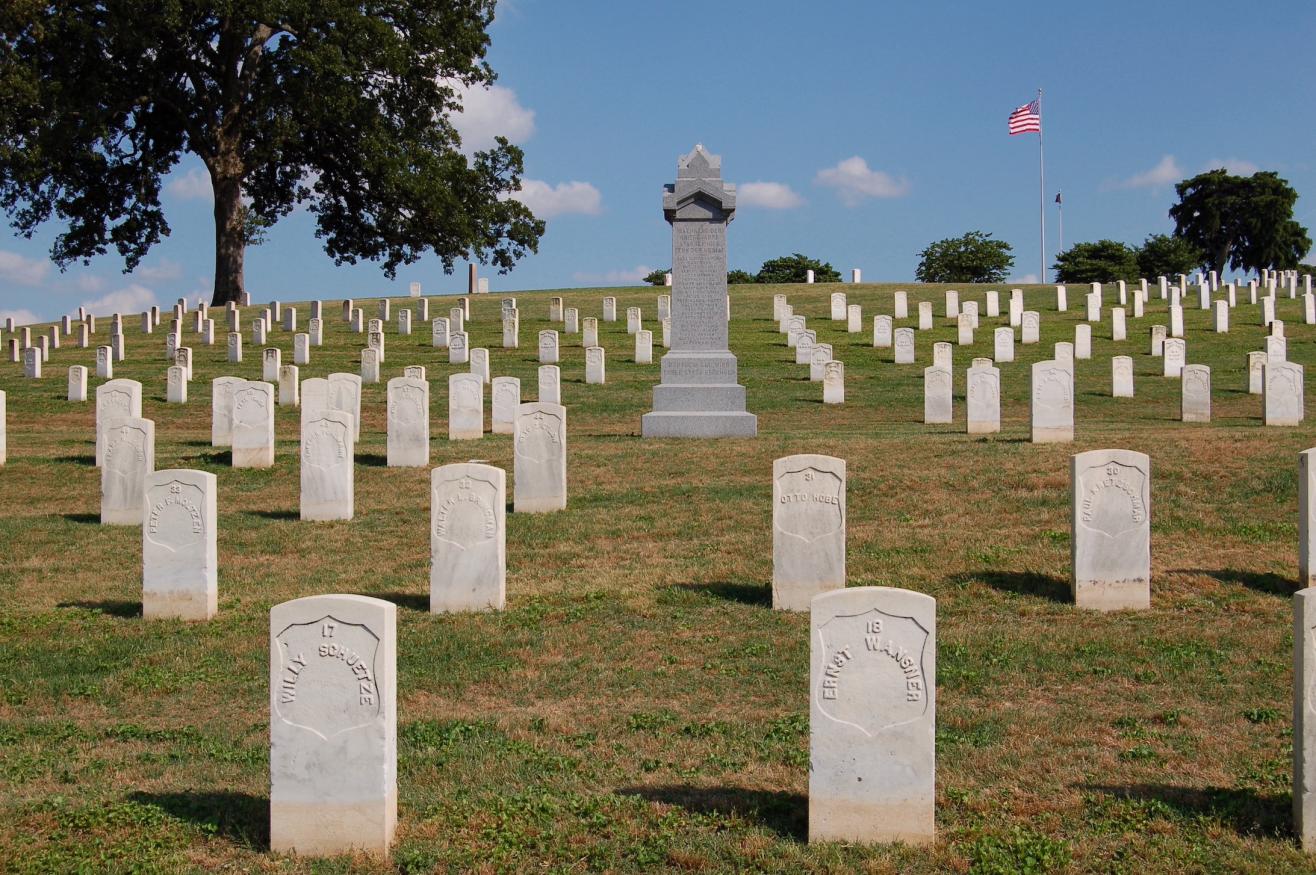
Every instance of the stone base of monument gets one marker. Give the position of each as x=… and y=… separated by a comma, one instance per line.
x=1111, y=595
x=699, y=398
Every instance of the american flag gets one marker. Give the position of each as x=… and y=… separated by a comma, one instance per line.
x=1027, y=119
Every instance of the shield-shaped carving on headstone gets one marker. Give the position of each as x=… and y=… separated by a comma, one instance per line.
x=176, y=521
x=1112, y=501
x=328, y=681
x=467, y=518
x=536, y=437
x=873, y=674
x=809, y=504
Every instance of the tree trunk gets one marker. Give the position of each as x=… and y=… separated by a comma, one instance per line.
x=230, y=240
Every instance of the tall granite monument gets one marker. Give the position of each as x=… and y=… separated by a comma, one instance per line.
x=699, y=396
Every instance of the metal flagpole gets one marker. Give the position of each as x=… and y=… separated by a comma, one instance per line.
x=1041, y=191
x=1060, y=212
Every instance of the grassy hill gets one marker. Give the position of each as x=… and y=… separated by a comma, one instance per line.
x=639, y=705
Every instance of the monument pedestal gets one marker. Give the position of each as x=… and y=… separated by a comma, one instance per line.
x=699, y=397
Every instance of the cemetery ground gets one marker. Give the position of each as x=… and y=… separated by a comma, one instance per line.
x=639, y=706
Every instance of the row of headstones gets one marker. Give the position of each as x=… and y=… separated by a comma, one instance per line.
x=242, y=419
x=333, y=721
x=177, y=511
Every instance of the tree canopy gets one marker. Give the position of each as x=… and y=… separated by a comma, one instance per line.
x=971, y=258
x=1244, y=222
x=1103, y=261
x=795, y=268
x=1165, y=255
x=343, y=106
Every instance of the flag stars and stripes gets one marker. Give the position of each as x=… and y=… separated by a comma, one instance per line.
x=1027, y=119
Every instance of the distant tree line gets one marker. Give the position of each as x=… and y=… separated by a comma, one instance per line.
x=787, y=269
x=1220, y=221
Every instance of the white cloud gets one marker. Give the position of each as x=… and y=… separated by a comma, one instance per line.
x=768, y=195
x=131, y=299
x=616, y=277
x=15, y=268
x=565, y=198
x=20, y=317
x=90, y=284
x=164, y=271
x=1028, y=279
x=854, y=180
x=1236, y=166
x=491, y=112
x=194, y=185
x=1166, y=172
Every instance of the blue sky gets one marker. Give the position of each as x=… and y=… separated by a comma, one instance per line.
x=857, y=131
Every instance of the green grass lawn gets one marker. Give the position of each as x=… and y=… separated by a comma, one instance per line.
x=639, y=706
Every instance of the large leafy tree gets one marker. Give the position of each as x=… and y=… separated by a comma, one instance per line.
x=1240, y=221
x=972, y=258
x=343, y=105
x=1165, y=255
x=1103, y=261
x=795, y=269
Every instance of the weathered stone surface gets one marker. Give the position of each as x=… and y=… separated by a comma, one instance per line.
x=129, y=458
x=1282, y=398
x=468, y=525
x=1030, y=322
x=511, y=331
x=1082, y=341
x=1174, y=355
x=904, y=346
x=952, y=304
x=180, y=556
x=550, y=384
x=506, y=393
x=964, y=329
x=345, y=396
x=301, y=349
x=1307, y=528
x=480, y=364
x=808, y=529
x=590, y=332
x=943, y=354
x=1121, y=376
x=439, y=333
x=370, y=365
x=872, y=716
x=1158, y=333
x=882, y=332
x=1195, y=394
x=1256, y=373
x=818, y=359
x=1003, y=344
x=610, y=309
x=1277, y=349
x=838, y=304
x=253, y=425
x=571, y=321
x=289, y=386
x=1052, y=406
x=595, y=364
x=699, y=395
x=993, y=304
x=834, y=382
x=984, y=399
x=115, y=400
x=540, y=468
x=77, y=383
x=465, y=407
x=644, y=347
x=176, y=385
x=924, y=315
x=333, y=725
x=548, y=347
x=458, y=351
x=854, y=318
x=1110, y=539
x=327, y=464
x=1304, y=718
x=408, y=423
x=634, y=320
x=937, y=384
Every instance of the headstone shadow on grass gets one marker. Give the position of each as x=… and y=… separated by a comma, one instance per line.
x=1031, y=583
x=125, y=610
x=274, y=514
x=782, y=812
x=84, y=518
x=1241, y=809
x=414, y=601
x=1261, y=581
x=745, y=593
x=242, y=818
